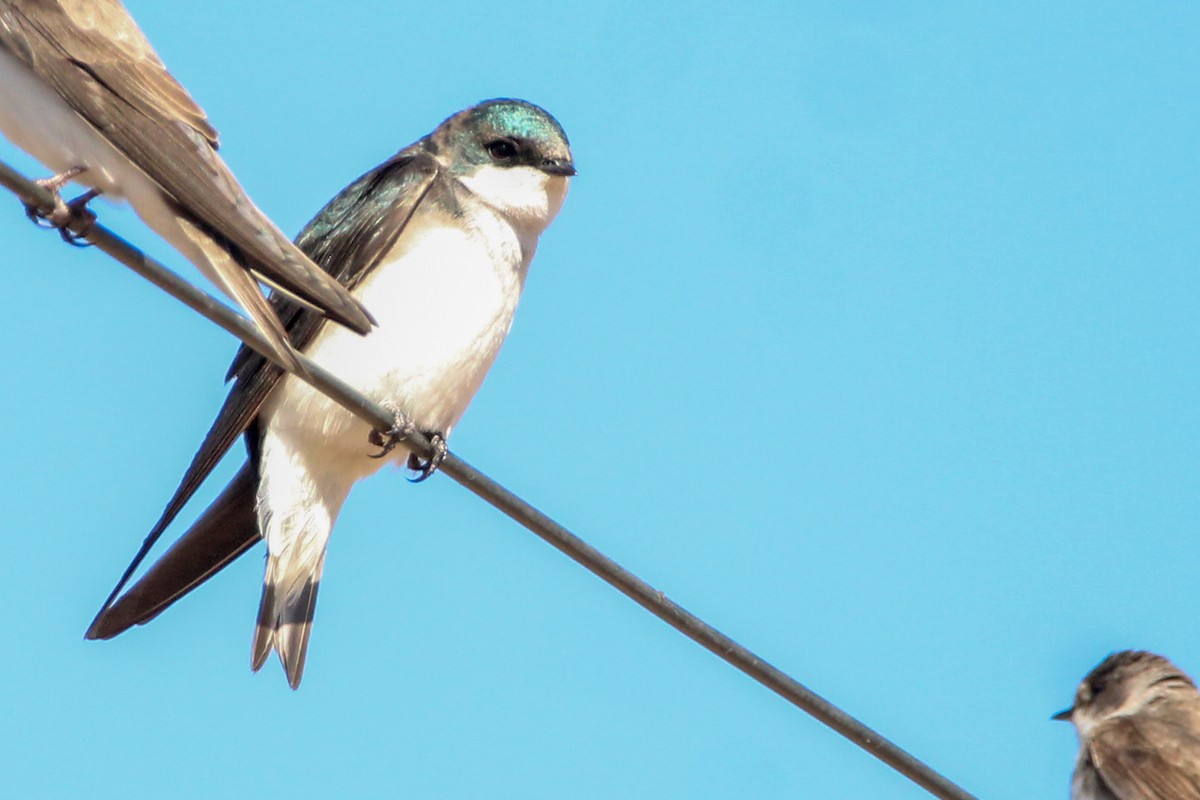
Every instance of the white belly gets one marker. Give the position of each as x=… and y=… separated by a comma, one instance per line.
x=444, y=302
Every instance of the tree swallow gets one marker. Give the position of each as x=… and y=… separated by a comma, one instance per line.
x=437, y=240
x=1138, y=720
x=82, y=90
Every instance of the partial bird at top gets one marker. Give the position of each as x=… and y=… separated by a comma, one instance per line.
x=82, y=90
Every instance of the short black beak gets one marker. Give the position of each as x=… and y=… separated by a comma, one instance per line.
x=558, y=166
x=1064, y=716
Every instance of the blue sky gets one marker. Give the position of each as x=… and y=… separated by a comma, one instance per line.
x=868, y=333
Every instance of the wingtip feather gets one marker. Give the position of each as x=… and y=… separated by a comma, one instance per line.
x=226, y=530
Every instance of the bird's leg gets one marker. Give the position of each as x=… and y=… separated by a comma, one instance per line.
x=402, y=428
x=61, y=213
x=426, y=467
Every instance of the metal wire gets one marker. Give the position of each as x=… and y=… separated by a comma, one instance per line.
x=605, y=568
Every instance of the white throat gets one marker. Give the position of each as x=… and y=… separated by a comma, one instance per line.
x=529, y=198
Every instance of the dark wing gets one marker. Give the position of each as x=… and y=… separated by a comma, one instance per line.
x=348, y=238
x=226, y=529
x=93, y=55
x=1141, y=758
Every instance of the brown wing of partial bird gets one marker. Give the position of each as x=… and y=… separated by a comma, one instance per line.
x=1140, y=757
x=119, y=85
x=349, y=237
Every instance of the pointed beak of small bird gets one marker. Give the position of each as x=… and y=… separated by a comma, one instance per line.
x=1064, y=716
x=558, y=166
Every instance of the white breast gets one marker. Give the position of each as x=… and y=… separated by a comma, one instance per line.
x=444, y=301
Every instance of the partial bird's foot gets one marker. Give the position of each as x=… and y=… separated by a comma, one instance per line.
x=386, y=441
x=426, y=467
x=78, y=210
x=63, y=213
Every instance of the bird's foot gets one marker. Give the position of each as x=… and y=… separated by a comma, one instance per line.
x=386, y=441
x=426, y=467
x=403, y=428
x=87, y=219
x=62, y=213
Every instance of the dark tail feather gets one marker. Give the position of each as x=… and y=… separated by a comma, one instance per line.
x=227, y=529
x=285, y=623
x=264, y=628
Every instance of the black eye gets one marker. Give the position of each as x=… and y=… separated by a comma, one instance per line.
x=501, y=149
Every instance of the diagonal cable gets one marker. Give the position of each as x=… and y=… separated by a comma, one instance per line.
x=601, y=565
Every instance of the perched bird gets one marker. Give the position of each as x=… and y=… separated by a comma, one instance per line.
x=82, y=90
x=437, y=240
x=1138, y=720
